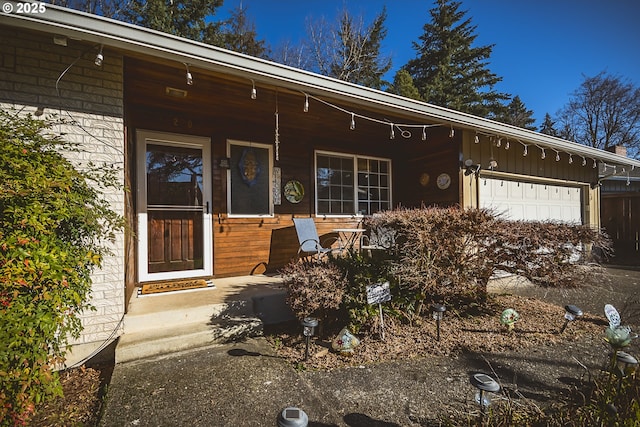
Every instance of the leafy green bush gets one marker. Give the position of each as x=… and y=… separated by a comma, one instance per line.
x=53, y=228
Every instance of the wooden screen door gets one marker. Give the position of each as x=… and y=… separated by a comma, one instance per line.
x=174, y=206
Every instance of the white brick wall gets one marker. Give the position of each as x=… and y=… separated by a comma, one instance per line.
x=90, y=99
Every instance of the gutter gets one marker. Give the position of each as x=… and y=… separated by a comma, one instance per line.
x=127, y=37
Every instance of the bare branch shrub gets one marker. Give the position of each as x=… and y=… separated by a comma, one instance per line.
x=449, y=254
x=313, y=288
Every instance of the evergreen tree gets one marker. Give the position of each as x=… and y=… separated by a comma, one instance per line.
x=182, y=18
x=239, y=34
x=516, y=114
x=448, y=71
x=548, y=126
x=403, y=85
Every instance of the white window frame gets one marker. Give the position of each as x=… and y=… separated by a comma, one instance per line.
x=269, y=173
x=355, y=158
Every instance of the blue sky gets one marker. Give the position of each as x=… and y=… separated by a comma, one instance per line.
x=543, y=48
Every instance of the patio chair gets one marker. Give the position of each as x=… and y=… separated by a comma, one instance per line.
x=309, y=239
x=381, y=239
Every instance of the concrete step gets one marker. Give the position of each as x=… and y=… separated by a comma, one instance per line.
x=135, y=322
x=178, y=337
x=234, y=309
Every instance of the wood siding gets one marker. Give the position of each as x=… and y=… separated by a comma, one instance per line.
x=220, y=107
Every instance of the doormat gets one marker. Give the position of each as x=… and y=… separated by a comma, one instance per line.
x=154, y=288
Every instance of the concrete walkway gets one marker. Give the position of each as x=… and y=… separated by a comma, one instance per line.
x=226, y=385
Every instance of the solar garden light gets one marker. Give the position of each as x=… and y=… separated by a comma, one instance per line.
x=438, y=311
x=571, y=312
x=623, y=360
x=308, y=329
x=292, y=417
x=484, y=382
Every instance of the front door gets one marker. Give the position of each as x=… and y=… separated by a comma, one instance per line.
x=174, y=206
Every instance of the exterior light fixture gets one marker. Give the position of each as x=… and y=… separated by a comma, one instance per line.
x=305, y=108
x=352, y=125
x=452, y=132
x=309, y=325
x=484, y=383
x=254, y=92
x=542, y=154
x=292, y=417
x=438, y=311
x=507, y=145
x=476, y=139
x=188, y=75
x=571, y=312
x=99, y=58
x=392, y=134
x=424, y=133
x=470, y=168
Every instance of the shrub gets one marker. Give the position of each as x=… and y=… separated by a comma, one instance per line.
x=313, y=288
x=448, y=254
x=52, y=227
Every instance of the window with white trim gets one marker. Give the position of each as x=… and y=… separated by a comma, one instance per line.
x=250, y=186
x=352, y=185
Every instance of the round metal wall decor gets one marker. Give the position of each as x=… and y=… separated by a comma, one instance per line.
x=294, y=191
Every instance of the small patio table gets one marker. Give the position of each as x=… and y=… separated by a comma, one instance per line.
x=348, y=236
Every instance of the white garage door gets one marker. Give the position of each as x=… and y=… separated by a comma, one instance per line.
x=531, y=202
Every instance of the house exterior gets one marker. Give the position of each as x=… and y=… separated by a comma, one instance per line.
x=219, y=151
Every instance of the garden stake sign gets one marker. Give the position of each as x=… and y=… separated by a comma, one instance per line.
x=378, y=294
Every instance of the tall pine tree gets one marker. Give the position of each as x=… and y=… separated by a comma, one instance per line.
x=448, y=71
x=516, y=114
x=239, y=34
x=549, y=126
x=182, y=18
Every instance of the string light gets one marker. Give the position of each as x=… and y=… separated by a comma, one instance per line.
x=99, y=57
x=189, y=76
x=254, y=93
x=628, y=179
x=405, y=133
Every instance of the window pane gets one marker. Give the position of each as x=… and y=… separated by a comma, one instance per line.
x=174, y=176
x=250, y=180
x=334, y=177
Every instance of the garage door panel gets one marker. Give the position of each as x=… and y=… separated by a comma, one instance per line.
x=530, y=201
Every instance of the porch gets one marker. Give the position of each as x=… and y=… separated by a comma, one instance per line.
x=232, y=309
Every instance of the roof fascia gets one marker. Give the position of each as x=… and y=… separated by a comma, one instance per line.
x=120, y=35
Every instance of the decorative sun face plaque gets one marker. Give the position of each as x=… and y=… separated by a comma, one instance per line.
x=443, y=181
x=424, y=179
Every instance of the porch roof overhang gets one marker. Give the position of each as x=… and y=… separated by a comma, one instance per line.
x=146, y=42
